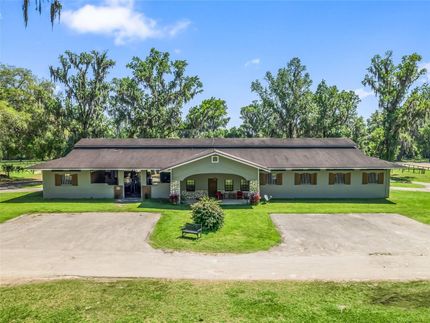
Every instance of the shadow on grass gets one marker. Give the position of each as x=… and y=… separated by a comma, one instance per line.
x=332, y=201
x=410, y=298
x=402, y=179
x=37, y=197
x=163, y=204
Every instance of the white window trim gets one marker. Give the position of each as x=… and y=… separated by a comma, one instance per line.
x=215, y=159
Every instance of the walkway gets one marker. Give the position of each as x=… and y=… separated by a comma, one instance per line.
x=426, y=187
x=366, y=247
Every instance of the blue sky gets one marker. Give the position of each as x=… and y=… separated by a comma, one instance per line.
x=227, y=43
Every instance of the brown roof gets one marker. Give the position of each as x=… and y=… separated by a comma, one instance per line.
x=336, y=153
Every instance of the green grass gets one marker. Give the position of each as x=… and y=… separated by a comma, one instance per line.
x=408, y=176
x=408, y=185
x=27, y=175
x=197, y=301
x=246, y=228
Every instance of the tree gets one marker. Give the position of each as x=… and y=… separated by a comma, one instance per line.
x=208, y=119
x=414, y=138
x=86, y=92
x=257, y=121
x=335, y=112
x=149, y=103
x=55, y=9
x=288, y=95
x=391, y=84
x=26, y=113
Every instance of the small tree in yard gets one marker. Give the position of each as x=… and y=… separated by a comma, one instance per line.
x=208, y=213
x=8, y=168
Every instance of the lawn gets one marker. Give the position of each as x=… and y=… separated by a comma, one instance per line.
x=408, y=185
x=198, y=301
x=408, y=176
x=26, y=175
x=246, y=228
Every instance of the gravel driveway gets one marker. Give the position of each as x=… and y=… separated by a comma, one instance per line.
x=326, y=247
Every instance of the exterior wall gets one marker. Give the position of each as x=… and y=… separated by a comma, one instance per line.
x=160, y=191
x=323, y=190
x=202, y=181
x=84, y=189
x=224, y=166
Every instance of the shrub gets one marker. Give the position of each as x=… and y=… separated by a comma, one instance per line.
x=174, y=198
x=208, y=213
x=254, y=198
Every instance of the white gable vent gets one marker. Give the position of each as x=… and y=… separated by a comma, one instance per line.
x=215, y=159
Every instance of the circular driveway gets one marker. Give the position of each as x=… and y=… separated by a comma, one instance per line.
x=315, y=246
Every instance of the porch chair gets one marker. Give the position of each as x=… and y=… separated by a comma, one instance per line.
x=218, y=195
x=267, y=198
x=239, y=195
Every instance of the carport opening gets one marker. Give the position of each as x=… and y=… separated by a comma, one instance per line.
x=132, y=184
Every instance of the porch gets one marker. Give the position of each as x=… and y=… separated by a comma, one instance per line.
x=227, y=188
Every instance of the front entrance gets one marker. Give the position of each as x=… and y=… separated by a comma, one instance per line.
x=212, y=187
x=132, y=184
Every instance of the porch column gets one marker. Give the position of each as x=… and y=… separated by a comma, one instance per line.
x=175, y=186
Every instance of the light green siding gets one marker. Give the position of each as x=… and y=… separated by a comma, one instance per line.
x=84, y=189
x=224, y=166
x=323, y=190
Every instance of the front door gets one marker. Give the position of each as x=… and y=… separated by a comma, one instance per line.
x=212, y=187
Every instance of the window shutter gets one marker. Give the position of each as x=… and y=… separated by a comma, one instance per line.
x=279, y=179
x=331, y=178
x=74, y=179
x=365, y=179
x=57, y=180
x=296, y=179
x=381, y=178
x=314, y=179
x=348, y=179
x=263, y=179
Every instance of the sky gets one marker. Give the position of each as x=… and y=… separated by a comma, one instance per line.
x=228, y=44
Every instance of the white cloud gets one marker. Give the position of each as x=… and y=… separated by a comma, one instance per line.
x=177, y=51
x=362, y=93
x=254, y=61
x=120, y=20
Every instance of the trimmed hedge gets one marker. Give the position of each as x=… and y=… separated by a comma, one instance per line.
x=208, y=213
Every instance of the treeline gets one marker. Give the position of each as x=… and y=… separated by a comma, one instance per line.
x=42, y=119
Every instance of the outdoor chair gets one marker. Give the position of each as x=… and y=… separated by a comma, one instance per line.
x=218, y=195
x=239, y=195
x=267, y=198
x=192, y=228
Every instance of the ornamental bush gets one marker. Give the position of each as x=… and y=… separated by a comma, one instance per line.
x=208, y=213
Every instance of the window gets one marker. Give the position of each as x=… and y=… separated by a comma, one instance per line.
x=244, y=185
x=373, y=178
x=66, y=179
x=339, y=178
x=271, y=179
x=305, y=179
x=215, y=159
x=190, y=185
x=109, y=177
x=164, y=177
x=228, y=185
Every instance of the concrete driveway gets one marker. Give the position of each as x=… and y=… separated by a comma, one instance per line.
x=325, y=247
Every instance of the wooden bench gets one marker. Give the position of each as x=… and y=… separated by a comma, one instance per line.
x=192, y=228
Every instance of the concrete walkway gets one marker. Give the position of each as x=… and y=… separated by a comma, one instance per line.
x=321, y=247
x=426, y=187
